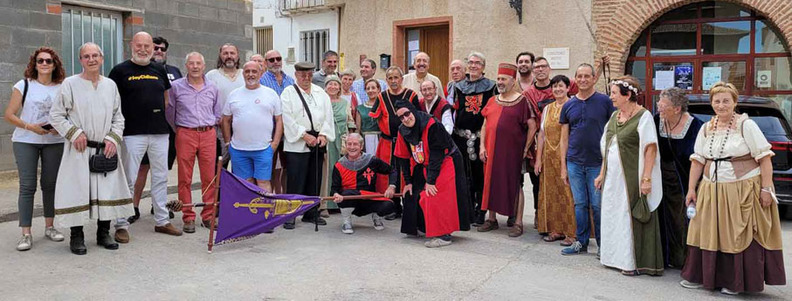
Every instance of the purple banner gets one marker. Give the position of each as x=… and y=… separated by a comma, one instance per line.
x=247, y=210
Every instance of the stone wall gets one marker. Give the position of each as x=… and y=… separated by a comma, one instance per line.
x=189, y=25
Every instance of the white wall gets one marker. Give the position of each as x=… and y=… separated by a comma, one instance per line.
x=286, y=29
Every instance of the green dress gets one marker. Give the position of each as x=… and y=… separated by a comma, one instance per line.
x=341, y=119
x=368, y=128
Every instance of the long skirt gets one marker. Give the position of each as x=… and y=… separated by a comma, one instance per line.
x=673, y=219
x=733, y=241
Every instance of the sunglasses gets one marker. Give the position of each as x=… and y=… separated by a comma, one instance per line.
x=160, y=48
x=44, y=61
x=274, y=59
x=405, y=115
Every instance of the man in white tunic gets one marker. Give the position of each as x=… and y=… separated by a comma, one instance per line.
x=87, y=112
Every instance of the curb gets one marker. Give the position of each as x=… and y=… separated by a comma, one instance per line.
x=38, y=212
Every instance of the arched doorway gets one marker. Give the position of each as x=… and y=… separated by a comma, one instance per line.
x=696, y=45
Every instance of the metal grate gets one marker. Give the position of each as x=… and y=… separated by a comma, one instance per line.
x=81, y=25
x=288, y=5
x=314, y=43
x=263, y=40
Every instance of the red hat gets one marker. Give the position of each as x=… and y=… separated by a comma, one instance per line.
x=507, y=69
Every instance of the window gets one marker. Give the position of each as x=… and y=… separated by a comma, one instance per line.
x=697, y=45
x=263, y=40
x=314, y=43
x=81, y=25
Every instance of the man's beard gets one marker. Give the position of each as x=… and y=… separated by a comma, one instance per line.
x=275, y=70
x=141, y=60
x=159, y=61
x=525, y=72
x=229, y=63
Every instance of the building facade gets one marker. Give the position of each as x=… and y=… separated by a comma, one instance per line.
x=189, y=25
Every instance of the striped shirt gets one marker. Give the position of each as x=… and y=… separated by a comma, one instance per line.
x=268, y=80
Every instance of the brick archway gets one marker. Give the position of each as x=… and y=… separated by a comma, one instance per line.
x=620, y=22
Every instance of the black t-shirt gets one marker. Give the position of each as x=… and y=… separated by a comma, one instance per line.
x=173, y=72
x=142, y=90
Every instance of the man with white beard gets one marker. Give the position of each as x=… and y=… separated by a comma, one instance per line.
x=143, y=88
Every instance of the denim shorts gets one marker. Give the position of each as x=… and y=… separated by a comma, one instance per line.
x=252, y=164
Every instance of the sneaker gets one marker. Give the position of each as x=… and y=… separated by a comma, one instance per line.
x=690, y=285
x=378, y=225
x=53, y=234
x=346, y=228
x=575, y=249
x=729, y=292
x=189, y=227
x=25, y=243
x=437, y=242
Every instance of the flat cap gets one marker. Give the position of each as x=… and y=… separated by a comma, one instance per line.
x=304, y=66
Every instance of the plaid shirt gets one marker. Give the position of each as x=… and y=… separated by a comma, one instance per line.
x=358, y=88
x=268, y=80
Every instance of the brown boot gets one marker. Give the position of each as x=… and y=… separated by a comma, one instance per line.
x=488, y=226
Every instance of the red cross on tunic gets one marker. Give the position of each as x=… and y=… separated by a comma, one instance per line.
x=368, y=174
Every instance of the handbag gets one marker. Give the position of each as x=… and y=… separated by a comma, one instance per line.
x=99, y=163
x=312, y=132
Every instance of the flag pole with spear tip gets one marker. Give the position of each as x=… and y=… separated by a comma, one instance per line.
x=215, y=204
x=604, y=65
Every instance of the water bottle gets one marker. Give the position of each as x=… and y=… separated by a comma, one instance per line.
x=691, y=211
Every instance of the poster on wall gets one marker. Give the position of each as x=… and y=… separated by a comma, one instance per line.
x=764, y=78
x=683, y=77
x=664, y=79
x=710, y=76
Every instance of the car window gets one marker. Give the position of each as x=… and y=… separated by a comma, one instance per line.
x=770, y=125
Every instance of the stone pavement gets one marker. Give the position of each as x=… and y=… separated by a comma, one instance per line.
x=327, y=265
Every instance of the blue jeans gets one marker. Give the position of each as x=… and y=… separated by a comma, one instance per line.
x=581, y=181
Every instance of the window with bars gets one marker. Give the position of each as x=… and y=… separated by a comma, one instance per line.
x=81, y=25
x=263, y=40
x=314, y=43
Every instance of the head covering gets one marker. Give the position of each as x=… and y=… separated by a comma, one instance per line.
x=304, y=66
x=414, y=134
x=507, y=69
x=332, y=78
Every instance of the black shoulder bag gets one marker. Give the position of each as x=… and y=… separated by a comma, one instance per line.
x=313, y=131
x=24, y=93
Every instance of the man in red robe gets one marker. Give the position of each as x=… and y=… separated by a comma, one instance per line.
x=384, y=112
x=507, y=134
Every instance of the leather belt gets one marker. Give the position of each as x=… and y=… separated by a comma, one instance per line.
x=200, y=128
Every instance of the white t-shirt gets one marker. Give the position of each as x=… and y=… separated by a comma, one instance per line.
x=252, y=112
x=36, y=110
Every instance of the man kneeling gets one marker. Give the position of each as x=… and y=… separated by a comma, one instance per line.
x=356, y=174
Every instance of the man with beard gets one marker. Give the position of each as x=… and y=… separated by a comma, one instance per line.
x=367, y=70
x=143, y=87
x=457, y=70
x=385, y=113
x=275, y=79
x=227, y=77
x=470, y=97
x=356, y=174
x=160, y=57
x=413, y=81
x=507, y=133
x=329, y=65
x=436, y=105
x=525, y=61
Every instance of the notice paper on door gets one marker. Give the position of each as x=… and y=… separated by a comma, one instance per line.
x=664, y=79
x=710, y=76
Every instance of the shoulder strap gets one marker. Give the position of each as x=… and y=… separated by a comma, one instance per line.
x=305, y=106
x=24, y=93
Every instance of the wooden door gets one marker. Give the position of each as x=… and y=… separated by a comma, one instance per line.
x=434, y=41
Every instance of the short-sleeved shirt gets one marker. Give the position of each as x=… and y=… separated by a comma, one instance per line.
x=252, y=112
x=36, y=110
x=586, y=119
x=142, y=90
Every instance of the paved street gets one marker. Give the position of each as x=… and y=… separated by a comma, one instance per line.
x=328, y=265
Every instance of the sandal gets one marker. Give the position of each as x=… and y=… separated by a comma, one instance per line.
x=516, y=230
x=553, y=237
x=568, y=241
x=629, y=273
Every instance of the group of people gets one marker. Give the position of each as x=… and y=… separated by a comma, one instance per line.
x=442, y=158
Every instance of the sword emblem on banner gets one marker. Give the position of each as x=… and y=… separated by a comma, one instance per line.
x=275, y=208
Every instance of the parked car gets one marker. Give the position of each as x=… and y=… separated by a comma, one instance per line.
x=767, y=115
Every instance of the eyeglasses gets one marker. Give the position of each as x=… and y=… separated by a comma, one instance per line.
x=405, y=115
x=160, y=48
x=274, y=59
x=44, y=61
x=475, y=63
x=90, y=56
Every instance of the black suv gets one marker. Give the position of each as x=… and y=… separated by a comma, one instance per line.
x=766, y=113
